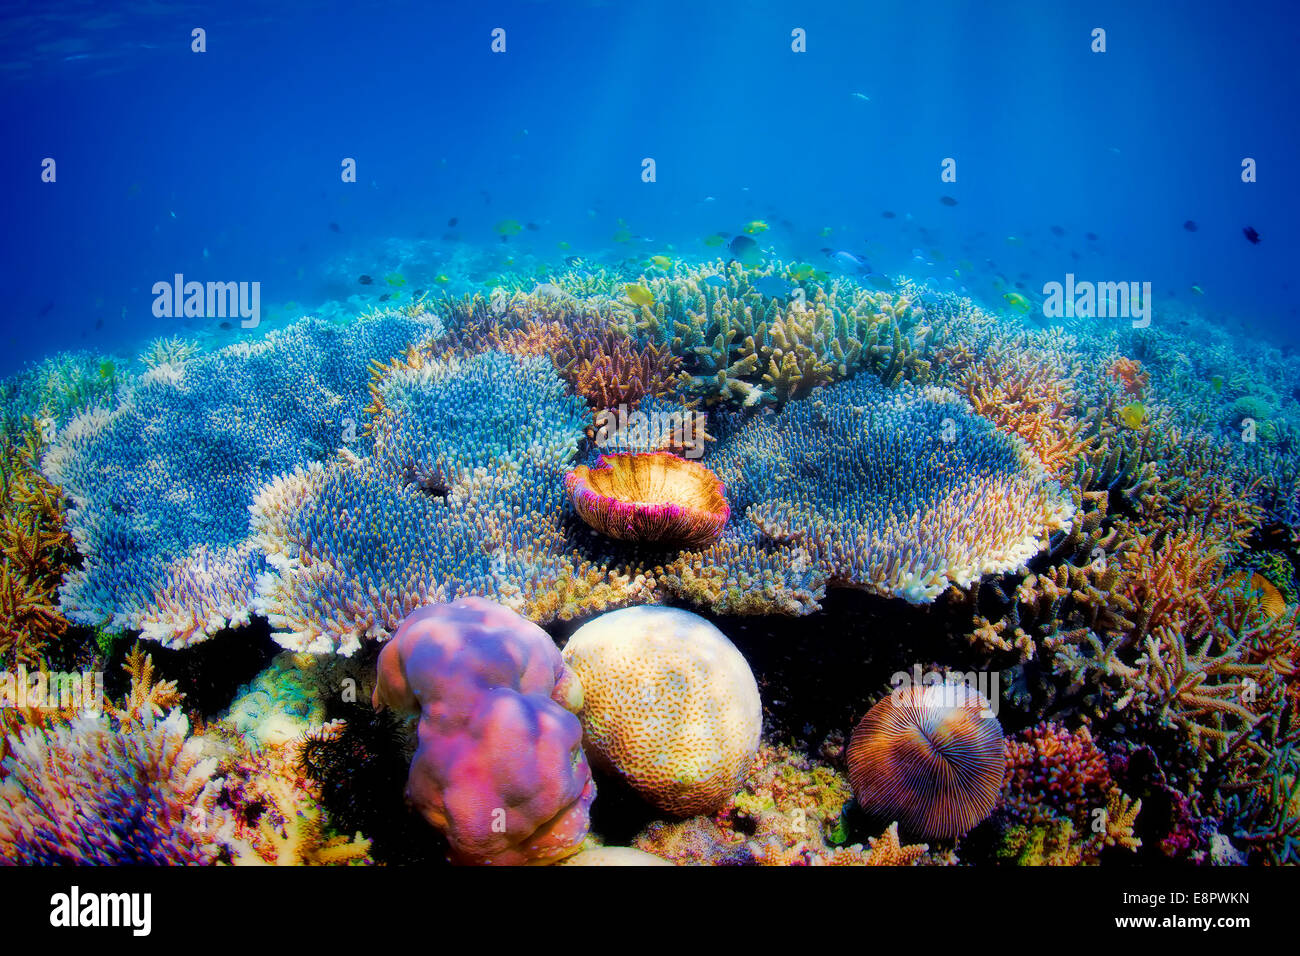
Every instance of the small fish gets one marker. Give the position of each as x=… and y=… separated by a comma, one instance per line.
x=1197, y=290
x=1216, y=383
x=508, y=227
x=1251, y=235
x=205, y=252
x=441, y=278
x=1133, y=414
x=757, y=227
x=451, y=223
x=639, y=294
x=662, y=263
x=334, y=227
x=385, y=297
x=887, y=214
x=826, y=231
x=861, y=96
x=225, y=325
x=716, y=281
x=365, y=280
x=1190, y=226
x=564, y=246
x=715, y=240
x=531, y=226
x=802, y=271
x=395, y=279
x=1014, y=241
x=947, y=200
x=1090, y=236
x=1017, y=302
x=850, y=262
x=880, y=281
x=745, y=250
x=623, y=235
x=573, y=262
x=1057, y=231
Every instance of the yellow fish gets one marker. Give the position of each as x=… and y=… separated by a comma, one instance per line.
x=755, y=227
x=623, y=235
x=1133, y=414
x=1216, y=383
x=661, y=262
x=508, y=227
x=396, y=280
x=1017, y=302
x=441, y=278
x=801, y=271
x=826, y=231
x=563, y=245
x=639, y=294
x=715, y=240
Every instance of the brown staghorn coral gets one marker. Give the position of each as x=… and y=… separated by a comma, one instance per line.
x=1022, y=391
x=36, y=550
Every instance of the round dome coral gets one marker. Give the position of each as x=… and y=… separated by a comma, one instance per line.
x=931, y=758
x=668, y=703
x=650, y=496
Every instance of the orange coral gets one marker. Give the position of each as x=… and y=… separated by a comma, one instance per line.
x=1130, y=373
x=1022, y=392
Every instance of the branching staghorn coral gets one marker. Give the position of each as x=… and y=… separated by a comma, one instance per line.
x=96, y=791
x=36, y=551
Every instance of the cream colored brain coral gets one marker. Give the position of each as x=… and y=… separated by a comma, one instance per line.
x=670, y=705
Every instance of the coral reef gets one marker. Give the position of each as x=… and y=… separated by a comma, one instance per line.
x=668, y=703
x=499, y=767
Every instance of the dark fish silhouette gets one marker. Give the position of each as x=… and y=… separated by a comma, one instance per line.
x=45, y=309
x=334, y=227
x=1251, y=235
x=365, y=280
x=887, y=214
x=1190, y=226
x=1091, y=236
x=1058, y=231
x=531, y=226
x=452, y=222
x=225, y=325
x=947, y=200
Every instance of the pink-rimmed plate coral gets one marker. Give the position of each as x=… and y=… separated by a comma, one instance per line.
x=652, y=497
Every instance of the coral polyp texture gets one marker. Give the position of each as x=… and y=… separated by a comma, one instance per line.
x=499, y=767
x=932, y=758
x=654, y=497
x=669, y=704
x=161, y=482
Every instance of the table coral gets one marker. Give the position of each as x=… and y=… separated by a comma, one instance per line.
x=902, y=492
x=162, y=482
x=669, y=704
x=499, y=767
x=354, y=549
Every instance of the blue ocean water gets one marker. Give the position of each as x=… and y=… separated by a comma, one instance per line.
x=225, y=165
